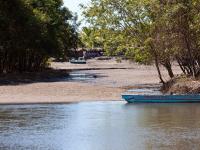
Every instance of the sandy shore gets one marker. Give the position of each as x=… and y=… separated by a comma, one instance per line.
x=112, y=79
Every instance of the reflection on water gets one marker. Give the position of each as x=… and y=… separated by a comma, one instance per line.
x=81, y=76
x=100, y=126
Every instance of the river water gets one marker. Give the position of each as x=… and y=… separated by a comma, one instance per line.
x=100, y=126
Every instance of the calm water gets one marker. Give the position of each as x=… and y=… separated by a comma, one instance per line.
x=100, y=126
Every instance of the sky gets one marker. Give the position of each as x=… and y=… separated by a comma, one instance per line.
x=73, y=5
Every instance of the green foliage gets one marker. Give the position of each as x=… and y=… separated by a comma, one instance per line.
x=150, y=30
x=32, y=31
x=138, y=55
x=118, y=60
x=123, y=26
x=91, y=38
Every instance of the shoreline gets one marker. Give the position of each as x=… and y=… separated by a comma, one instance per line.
x=58, y=103
x=108, y=85
x=182, y=84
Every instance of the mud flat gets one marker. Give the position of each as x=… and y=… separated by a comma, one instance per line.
x=110, y=80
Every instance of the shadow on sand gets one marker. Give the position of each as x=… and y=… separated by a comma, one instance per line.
x=48, y=75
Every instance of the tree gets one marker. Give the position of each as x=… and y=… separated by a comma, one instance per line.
x=31, y=32
x=155, y=30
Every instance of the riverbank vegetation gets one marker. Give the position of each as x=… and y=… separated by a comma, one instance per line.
x=159, y=31
x=32, y=31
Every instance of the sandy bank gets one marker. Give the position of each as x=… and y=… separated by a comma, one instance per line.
x=182, y=85
x=109, y=86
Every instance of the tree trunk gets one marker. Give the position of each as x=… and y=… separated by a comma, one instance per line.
x=157, y=64
x=168, y=66
x=181, y=66
x=158, y=69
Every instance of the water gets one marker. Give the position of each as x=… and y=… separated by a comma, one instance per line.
x=100, y=126
x=78, y=76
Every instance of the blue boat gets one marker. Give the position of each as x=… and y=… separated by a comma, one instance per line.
x=134, y=98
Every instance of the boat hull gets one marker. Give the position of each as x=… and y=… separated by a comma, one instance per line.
x=161, y=98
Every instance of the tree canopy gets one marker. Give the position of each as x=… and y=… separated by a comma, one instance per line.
x=160, y=31
x=32, y=31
